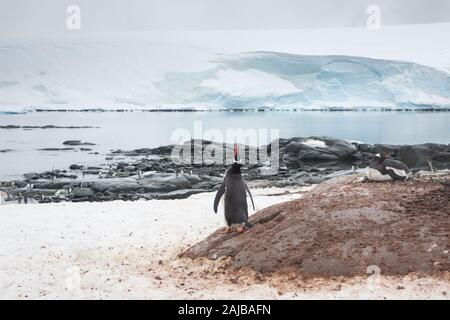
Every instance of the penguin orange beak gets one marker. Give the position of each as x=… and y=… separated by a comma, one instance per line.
x=236, y=152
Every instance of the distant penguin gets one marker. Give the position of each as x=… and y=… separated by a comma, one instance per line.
x=430, y=164
x=3, y=196
x=383, y=168
x=235, y=204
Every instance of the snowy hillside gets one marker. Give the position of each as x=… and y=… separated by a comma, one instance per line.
x=145, y=72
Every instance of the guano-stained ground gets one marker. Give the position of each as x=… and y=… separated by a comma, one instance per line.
x=345, y=227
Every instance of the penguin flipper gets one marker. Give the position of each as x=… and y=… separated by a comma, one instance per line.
x=219, y=195
x=395, y=176
x=250, y=194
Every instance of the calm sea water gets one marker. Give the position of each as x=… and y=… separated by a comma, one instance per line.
x=132, y=130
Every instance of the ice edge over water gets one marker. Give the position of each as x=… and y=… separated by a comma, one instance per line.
x=128, y=76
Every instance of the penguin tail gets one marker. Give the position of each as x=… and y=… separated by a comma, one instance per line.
x=248, y=225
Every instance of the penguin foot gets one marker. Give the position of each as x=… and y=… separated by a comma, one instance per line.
x=225, y=230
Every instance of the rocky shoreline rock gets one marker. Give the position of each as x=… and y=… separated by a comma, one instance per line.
x=77, y=143
x=13, y=126
x=152, y=173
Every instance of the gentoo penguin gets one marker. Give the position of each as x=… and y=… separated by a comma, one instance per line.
x=3, y=196
x=235, y=204
x=383, y=168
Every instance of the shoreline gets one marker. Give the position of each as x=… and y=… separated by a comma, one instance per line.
x=225, y=109
x=153, y=173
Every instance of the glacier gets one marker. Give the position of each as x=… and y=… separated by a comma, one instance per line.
x=277, y=80
x=127, y=74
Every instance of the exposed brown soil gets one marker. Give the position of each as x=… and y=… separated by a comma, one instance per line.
x=342, y=228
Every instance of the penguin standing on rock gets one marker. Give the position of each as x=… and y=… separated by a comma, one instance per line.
x=235, y=204
x=383, y=168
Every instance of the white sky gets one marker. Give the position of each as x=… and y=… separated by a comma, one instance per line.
x=44, y=17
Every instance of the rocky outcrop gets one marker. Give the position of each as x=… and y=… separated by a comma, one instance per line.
x=77, y=143
x=319, y=151
x=343, y=227
x=152, y=172
x=418, y=156
x=10, y=126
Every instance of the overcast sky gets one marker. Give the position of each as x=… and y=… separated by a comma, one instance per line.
x=43, y=17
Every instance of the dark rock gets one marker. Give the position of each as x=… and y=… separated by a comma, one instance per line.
x=56, y=149
x=39, y=192
x=76, y=167
x=77, y=143
x=53, y=184
x=318, y=151
x=366, y=148
x=116, y=185
x=165, y=182
x=83, y=193
x=180, y=194
x=45, y=127
x=10, y=126
x=48, y=175
x=417, y=156
x=93, y=168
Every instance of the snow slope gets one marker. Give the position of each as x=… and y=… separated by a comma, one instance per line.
x=128, y=250
x=317, y=69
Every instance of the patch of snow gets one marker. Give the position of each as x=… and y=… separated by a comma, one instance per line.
x=315, y=143
x=100, y=250
x=248, y=83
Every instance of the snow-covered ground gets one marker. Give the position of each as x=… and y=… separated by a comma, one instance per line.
x=308, y=68
x=129, y=250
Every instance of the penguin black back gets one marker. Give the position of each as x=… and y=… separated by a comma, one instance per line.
x=382, y=168
x=235, y=189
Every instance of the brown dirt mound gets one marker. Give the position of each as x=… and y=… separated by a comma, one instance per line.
x=344, y=226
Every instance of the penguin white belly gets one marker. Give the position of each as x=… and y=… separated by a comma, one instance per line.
x=375, y=175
